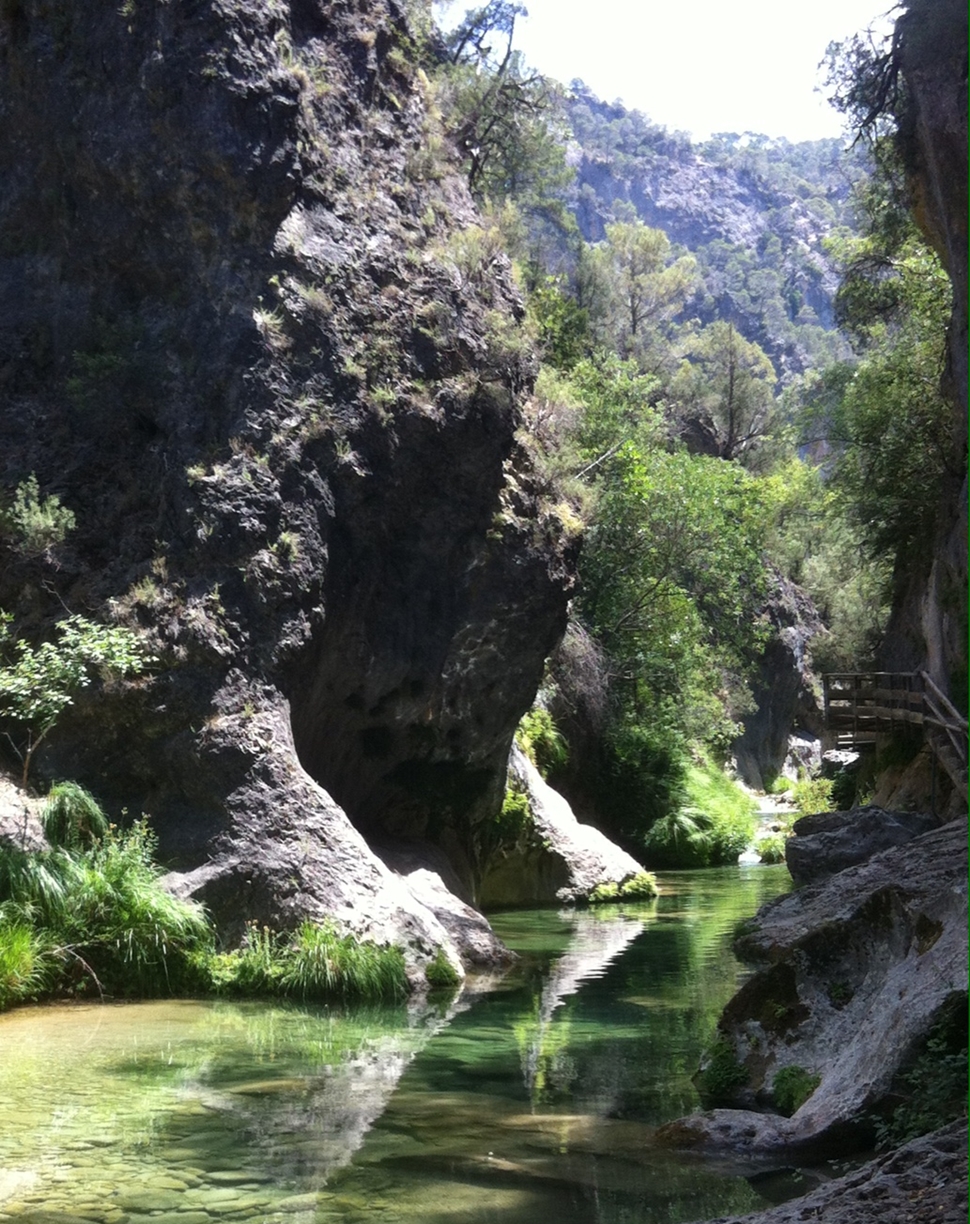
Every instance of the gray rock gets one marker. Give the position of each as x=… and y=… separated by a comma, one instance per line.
x=783, y=728
x=20, y=816
x=564, y=860
x=827, y=842
x=858, y=968
x=923, y=1182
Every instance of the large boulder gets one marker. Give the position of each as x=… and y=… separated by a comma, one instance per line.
x=856, y=971
x=830, y=841
x=560, y=859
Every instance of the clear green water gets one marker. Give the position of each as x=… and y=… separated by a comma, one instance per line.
x=532, y=1102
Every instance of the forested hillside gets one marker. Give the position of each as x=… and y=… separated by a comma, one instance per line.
x=756, y=214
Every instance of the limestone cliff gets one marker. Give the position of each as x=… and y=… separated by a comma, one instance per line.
x=252, y=337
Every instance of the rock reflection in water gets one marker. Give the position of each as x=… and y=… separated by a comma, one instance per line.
x=597, y=940
x=190, y=1105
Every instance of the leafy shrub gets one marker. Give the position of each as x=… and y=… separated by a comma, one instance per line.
x=813, y=794
x=722, y=1074
x=38, y=683
x=791, y=1088
x=440, y=971
x=934, y=1091
x=539, y=738
x=34, y=524
x=711, y=828
x=772, y=847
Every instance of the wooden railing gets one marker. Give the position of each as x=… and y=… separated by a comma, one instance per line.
x=859, y=706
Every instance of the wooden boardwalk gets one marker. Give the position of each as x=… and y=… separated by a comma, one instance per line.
x=859, y=706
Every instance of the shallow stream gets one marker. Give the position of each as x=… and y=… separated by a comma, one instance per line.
x=530, y=1102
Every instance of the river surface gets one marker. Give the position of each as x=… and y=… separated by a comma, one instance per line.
x=529, y=1101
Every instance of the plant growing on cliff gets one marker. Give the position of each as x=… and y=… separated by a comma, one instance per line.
x=791, y=1088
x=539, y=738
x=721, y=1074
x=34, y=524
x=38, y=683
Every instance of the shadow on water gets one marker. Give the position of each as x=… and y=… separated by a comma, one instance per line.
x=533, y=1101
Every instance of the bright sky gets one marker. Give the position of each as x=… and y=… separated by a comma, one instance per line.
x=698, y=66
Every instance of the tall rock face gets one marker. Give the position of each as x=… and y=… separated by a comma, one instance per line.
x=929, y=624
x=253, y=338
x=785, y=688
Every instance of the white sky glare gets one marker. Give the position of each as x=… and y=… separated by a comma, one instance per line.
x=698, y=66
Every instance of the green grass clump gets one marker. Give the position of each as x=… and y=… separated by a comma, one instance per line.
x=90, y=914
x=440, y=971
x=710, y=829
x=72, y=818
x=791, y=1088
x=722, y=1074
x=315, y=964
x=108, y=923
x=24, y=964
x=640, y=887
x=541, y=741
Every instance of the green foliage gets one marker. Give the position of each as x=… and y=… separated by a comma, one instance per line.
x=37, y=683
x=933, y=1091
x=791, y=1087
x=34, y=524
x=72, y=818
x=722, y=1074
x=103, y=914
x=640, y=887
x=730, y=382
x=539, y=738
x=813, y=794
x=24, y=964
x=439, y=972
x=713, y=825
x=892, y=427
x=316, y=963
x=503, y=117
x=643, y=286
x=772, y=848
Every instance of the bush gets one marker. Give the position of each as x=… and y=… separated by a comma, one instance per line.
x=539, y=738
x=934, y=1091
x=722, y=1074
x=24, y=967
x=813, y=795
x=710, y=829
x=640, y=887
x=103, y=914
x=440, y=971
x=35, y=524
x=791, y=1088
x=72, y=818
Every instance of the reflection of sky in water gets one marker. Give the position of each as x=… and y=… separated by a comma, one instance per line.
x=538, y=1098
